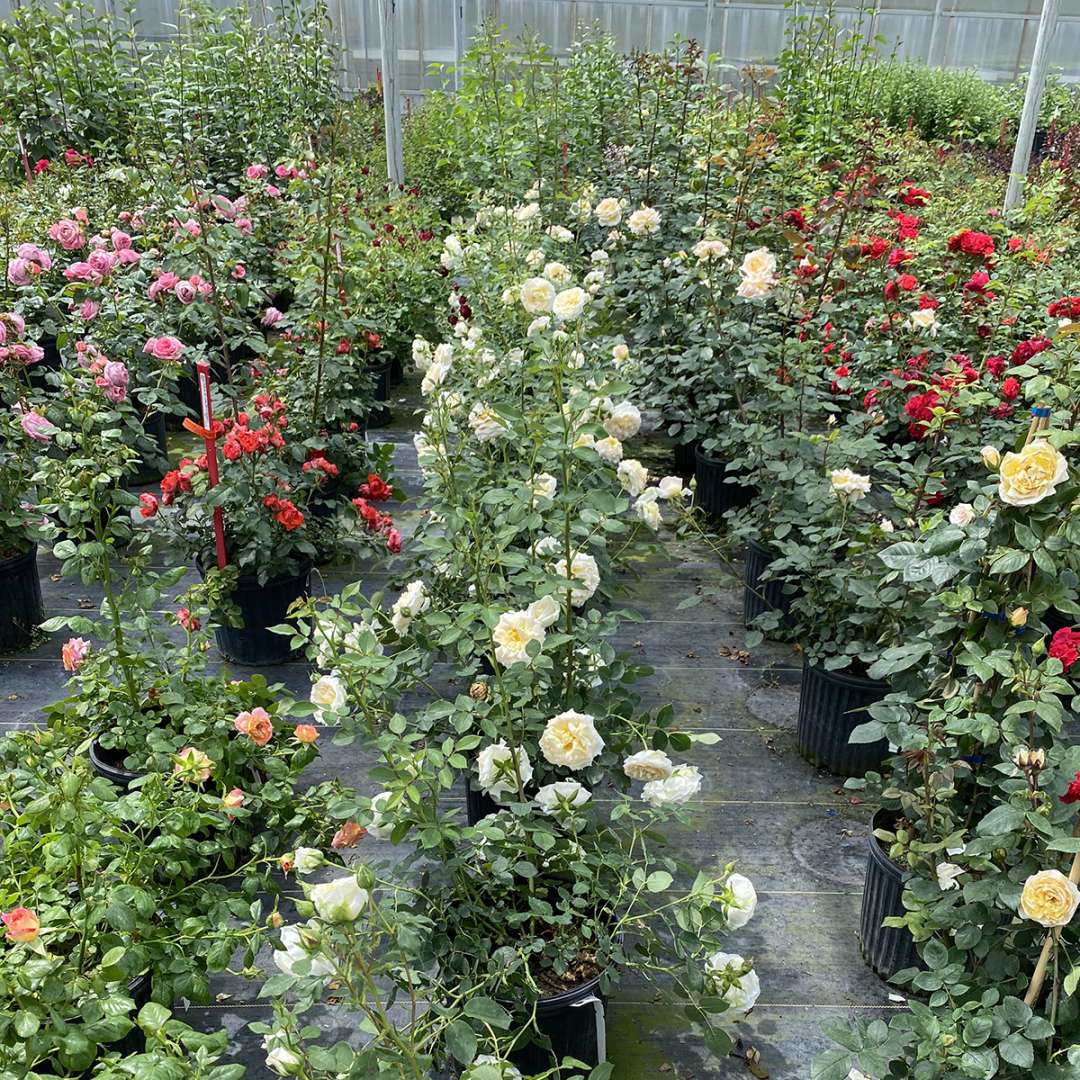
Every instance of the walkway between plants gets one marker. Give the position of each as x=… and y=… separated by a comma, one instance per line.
x=792, y=829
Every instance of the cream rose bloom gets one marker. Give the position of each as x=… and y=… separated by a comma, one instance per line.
x=545, y=611
x=925, y=319
x=1049, y=898
x=680, y=786
x=557, y=273
x=648, y=765
x=648, y=512
x=849, y=486
x=755, y=288
x=340, y=900
x=584, y=441
x=734, y=980
x=537, y=295
x=741, y=901
x=561, y=796
x=546, y=545
x=962, y=514
x=1032, y=475
x=538, y=325
x=560, y=233
x=512, y=635
x=633, y=476
x=620, y=354
x=705, y=250
x=609, y=449
x=644, y=221
x=608, y=212
x=328, y=695
x=433, y=378
x=527, y=213
x=421, y=353
x=991, y=456
x=534, y=259
x=413, y=601
x=570, y=303
x=485, y=422
x=571, y=739
x=379, y=827
x=759, y=263
x=671, y=487
x=293, y=951
x=495, y=768
x=584, y=573
x=544, y=485
x=624, y=422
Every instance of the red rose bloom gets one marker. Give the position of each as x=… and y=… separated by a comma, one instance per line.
x=376, y=488
x=920, y=411
x=1068, y=307
x=910, y=195
x=970, y=242
x=148, y=505
x=1027, y=349
x=1065, y=646
x=1010, y=388
x=1072, y=792
x=995, y=365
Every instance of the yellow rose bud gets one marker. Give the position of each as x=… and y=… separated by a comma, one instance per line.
x=1049, y=898
x=991, y=456
x=478, y=691
x=1018, y=616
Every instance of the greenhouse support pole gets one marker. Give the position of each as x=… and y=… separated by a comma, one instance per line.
x=1032, y=101
x=459, y=41
x=395, y=169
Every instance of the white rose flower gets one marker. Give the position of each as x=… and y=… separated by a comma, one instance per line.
x=849, y=486
x=609, y=449
x=434, y=376
x=283, y=1061
x=306, y=860
x=633, y=476
x=412, y=602
x=293, y=952
x=743, y=902
x=680, y=786
x=608, y=212
x=648, y=765
x=546, y=545
x=570, y=303
x=380, y=828
x=734, y=980
x=925, y=319
x=538, y=325
x=527, y=213
x=421, y=353
x=534, y=259
x=624, y=422
x=512, y=635
x=340, y=900
x=537, y=295
x=759, y=263
x=962, y=514
x=644, y=222
x=495, y=768
x=710, y=249
x=947, y=873
x=562, y=796
x=755, y=288
x=544, y=486
x=649, y=513
x=328, y=696
x=586, y=574
x=571, y=739
x=509, y=296
x=584, y=441
x=485, y=422
x=560, y=233
x=886, y=526
x=599, y=257
x=557, y=273
x=671, y=487
x=593, y=280
x=453, y=245
x=545, y=611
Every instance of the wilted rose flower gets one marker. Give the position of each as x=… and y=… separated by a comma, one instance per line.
x=349, y=835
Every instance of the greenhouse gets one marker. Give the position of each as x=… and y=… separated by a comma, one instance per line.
x=539, y=540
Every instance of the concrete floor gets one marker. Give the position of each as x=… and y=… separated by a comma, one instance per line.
x=789, y=827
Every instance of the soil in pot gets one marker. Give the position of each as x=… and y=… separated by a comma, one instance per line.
x=831, y=705
x=886, y=949
x=21, y=607
x=760, y=596
x=718, y=489
x=262, y=606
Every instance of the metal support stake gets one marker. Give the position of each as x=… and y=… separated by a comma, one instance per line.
x=395, y=168
x=459, y=41
x=1032, y=102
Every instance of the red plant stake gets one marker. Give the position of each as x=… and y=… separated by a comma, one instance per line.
x=206, y=433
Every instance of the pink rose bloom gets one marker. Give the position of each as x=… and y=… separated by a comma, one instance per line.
x=82, y=271
x=255, y=172
x=89, y=309
x=185, y=292
x=244, y=225
x=239, y=272
x=282, y=171
x=128, y=256
x=204, y=287
x=19, y=271
x=164, y=348
x=115, y=373
x=67, y=234
x=36, y=426
x=32, y=253
x=224, y=207
x=165, y=283
x=15, y=321
x=3, y=330
x=192, y=227
x=115, y=394
x=80, y=214
x=102, y=262
x=27, y=352
x=272, y=192
x=271, y=317
x=120, y=240
x=137, y=221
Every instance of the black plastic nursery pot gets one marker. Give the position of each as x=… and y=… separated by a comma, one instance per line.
x=831, y=705
x=262, y=606
x=684, y=459
x=21, y=608
x=886, y=949
x=761, y=596
x=575, y=1022
x=51, y=361
x=155, y=452
x=397, y=371
x=108, y=763
x=714, y=495
x=478, y=805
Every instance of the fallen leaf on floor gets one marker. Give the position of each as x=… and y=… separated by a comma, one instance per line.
x=691, y=655
x=85, y=602
x=13, y=697
x=223, y=997
x=897, y=997
x=741, y=655
x=753, y=1063
x=54, y=577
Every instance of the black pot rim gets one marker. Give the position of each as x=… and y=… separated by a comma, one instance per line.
x=860, y=682
x=571, y=996
x=116, y=773
x=17, y=562
x=710, y=459
x=761, y=549
x=878, y=856
x=249, y=582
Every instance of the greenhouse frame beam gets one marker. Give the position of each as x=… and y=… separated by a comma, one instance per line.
x=1025, y=136
x=388, y=47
